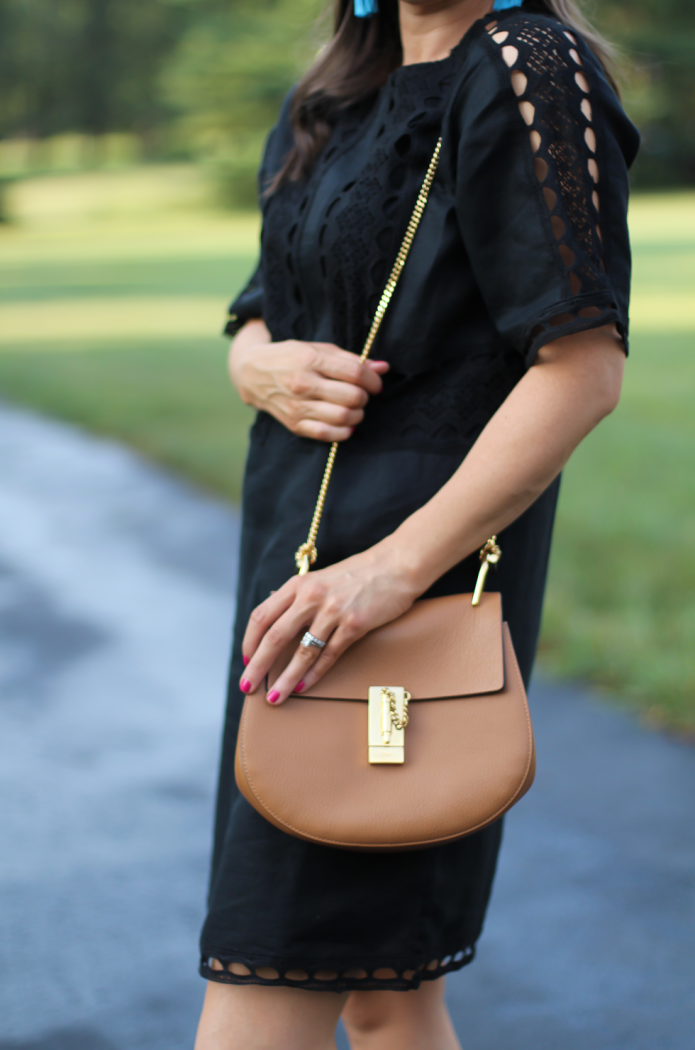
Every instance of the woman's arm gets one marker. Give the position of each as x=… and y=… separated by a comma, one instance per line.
x=316, y=390
x=575, y=382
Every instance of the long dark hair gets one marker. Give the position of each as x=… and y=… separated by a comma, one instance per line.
x=361, y=55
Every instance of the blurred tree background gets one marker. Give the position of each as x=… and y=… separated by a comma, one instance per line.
x=92, y=82
x=97, y=81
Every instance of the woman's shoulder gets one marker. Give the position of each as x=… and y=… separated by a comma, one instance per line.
x=539, y=38
x=508, y=52
x=528, y=42
x=533, y=61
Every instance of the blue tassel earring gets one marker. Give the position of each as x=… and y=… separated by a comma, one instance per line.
x=502, y=5
x=365, y=8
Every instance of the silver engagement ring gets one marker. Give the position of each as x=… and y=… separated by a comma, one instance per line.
x=311, y=641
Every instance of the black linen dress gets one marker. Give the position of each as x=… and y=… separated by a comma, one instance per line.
x=524, y=239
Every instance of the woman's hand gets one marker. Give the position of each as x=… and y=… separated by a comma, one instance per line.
x=338, y=605
x=316, y=390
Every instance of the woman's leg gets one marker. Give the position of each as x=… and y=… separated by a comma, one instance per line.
x=416, y=1020
x=258, y=1017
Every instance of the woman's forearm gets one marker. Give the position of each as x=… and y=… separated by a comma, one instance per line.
x=574, y=384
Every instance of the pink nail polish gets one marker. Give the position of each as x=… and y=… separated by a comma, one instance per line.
x=273, y=697
x=245, y=685
x=246, y=661
x=298, y=688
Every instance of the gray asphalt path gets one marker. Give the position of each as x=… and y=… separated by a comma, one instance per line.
x=116, y=588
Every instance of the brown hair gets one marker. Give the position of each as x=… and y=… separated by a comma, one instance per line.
x=361, y=55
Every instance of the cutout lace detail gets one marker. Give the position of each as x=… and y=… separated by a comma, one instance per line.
x=365, y=218
x=282, y=294
x=554, y=94
x=226, y=970
x=443, y=410
x=370, y=212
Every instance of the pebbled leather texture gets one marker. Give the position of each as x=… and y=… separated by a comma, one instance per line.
x=468, y=757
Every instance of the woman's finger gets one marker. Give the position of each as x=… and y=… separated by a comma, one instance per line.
x=347, y=367
x=311, y=428
x=333, y=415
x=273, y=643
x=380, y=367
x=278, y=635
x=295, y=675
x=264, y=615
x=335, y=393
x=340, y=640
x=310, y=385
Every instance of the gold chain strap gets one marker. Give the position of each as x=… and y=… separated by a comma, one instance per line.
x=396, y=722
x=306, y=554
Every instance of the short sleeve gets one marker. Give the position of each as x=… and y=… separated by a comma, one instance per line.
x=542, y=154
x=248, y=304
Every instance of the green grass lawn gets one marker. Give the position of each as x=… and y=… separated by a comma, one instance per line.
x=111, y=298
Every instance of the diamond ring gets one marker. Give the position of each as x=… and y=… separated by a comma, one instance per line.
x=311, y=641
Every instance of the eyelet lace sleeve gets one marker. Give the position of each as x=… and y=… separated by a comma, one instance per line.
x=541, y=183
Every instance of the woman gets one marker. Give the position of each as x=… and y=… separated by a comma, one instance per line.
x=503, y=347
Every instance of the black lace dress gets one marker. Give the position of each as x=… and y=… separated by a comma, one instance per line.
x=524, y=239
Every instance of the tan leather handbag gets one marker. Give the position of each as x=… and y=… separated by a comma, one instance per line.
x=418, y=735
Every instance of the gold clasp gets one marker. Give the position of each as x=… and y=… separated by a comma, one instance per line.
x=305, y=557
x=490, y=554
x=387, y=718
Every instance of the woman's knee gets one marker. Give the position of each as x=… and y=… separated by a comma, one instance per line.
x=369, y=1012
x=258, y=1017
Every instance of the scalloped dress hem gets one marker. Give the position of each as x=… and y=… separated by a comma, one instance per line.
x=338, y=979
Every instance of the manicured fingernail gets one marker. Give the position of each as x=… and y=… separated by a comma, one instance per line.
x=246, y=661
x=298, y=688
x=245, y=685
x=273, y=697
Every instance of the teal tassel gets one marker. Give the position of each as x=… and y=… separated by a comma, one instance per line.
x=502, y=5
x=366, y=8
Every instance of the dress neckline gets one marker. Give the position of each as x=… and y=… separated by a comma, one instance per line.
x=443, y=63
